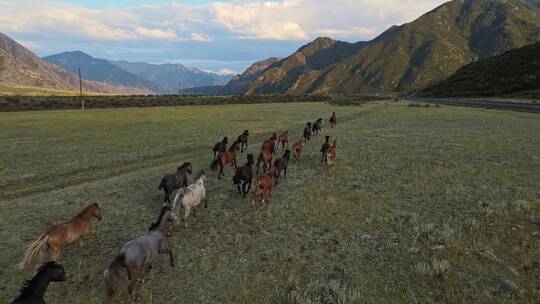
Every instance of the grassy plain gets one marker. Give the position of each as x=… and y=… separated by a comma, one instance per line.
x=425, y=205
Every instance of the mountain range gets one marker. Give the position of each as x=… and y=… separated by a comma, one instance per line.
x=515, y=73
x=406, y=57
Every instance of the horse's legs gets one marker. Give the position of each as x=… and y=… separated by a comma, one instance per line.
x=249, y=188
x=285, y=172
x=239, y=192
x=220, y=172
x=186, y=213
x=57, y=250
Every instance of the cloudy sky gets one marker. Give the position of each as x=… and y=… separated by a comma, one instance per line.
x=213, y=35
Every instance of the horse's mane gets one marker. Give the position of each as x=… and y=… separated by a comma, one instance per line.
x=236, y=143
x=164, y=209
x=184, y=165
x=28, y=285
x=88, y=208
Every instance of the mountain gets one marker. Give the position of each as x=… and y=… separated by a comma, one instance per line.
x=19, y=67
x=515, y=73
x=171, y=76
x=100, y=70
x=409, y=56
x=238, y=83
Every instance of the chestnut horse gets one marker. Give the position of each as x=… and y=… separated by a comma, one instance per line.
x=225, y=158
x=58, y=236
x=263, y=183
x=297, y=148
x=333, y=119
x=243, y=140
x=330, y=156
x=283, y=140
x=265, y=156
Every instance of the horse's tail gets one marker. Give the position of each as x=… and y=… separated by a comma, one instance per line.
x=113, y=276
x=214, y=165
x=34, y=249
x=161, y=185
x=178, y=197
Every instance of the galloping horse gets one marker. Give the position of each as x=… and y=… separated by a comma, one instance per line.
x=263, y=183
x=265, y=156
x=220, y=146
x=330, y=156
x=243, y=140
x=244, y=174
x=58, y=236
x=283, y=140
x=136, y=256
x=34, y=289
x=189, y=198
x=325, y=147
x=225, y=158
x=175, y=180
x=317, y=126
x=307, y=132
x=297, y=148
x=333, y=119
x=281, y=164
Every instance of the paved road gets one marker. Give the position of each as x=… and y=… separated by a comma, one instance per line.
x=490, y=104
x=480, y=103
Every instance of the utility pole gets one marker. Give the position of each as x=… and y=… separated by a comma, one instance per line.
x=80, y=89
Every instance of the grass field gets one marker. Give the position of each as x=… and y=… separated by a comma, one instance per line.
x=425, y=205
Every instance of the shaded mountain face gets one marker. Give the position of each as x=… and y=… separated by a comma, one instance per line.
x=171, y=76
x=99, y=70
x=410, y=56
x=514, y=73
x=239, y=82
x=21, y=67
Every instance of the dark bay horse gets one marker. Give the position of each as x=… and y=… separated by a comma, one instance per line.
x=58, y=236
x=244, y=176
x=317, y=126
x=243, y=140
x=281, y=164
x=307, y=132
x=176, y=180
x=220, y=146
x=325, y=147
x=225, y=158
x=34, y=289
x=136, y=256
x=333, y=119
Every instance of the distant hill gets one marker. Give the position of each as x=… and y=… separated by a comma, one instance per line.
x=409, y=56
x=515, y=73
x=19, y=67
x=239, y=82
x=169, y=76
x=100, y=70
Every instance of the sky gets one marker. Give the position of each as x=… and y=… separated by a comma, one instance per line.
x=220, y=36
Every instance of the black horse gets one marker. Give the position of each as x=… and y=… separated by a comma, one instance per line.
x=325, y=147
x=34, y=289
x=243, y=140
x=317, y=126
x=281, y=164
x=307, y=132
x=244, y=174
x=175, y=180
x=220, y=146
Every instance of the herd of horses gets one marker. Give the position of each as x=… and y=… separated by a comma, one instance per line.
x=135, y=257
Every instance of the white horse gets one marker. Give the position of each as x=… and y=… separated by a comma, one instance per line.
x=190, y=197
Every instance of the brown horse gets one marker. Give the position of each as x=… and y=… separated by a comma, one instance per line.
x=297, y=148
x=243, y=140
x=333, y=119
x=265, y=156
x=264, y=183
x=283, y=140
x=330, y=156
x=225, y=158
x=58, y=236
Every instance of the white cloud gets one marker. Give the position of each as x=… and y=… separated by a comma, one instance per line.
x=226, y=72
x=351, y=20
